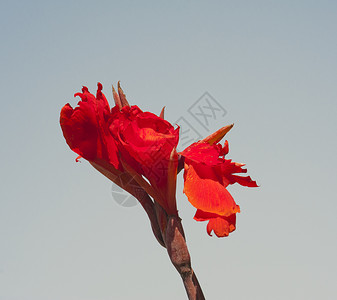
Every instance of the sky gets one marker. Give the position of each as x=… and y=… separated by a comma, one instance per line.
x=270, y=65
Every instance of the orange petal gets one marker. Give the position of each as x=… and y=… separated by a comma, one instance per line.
x=221, y=226
x=206, y=191
x=218, y=135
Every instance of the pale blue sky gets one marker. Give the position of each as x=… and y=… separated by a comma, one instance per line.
x=271, y=64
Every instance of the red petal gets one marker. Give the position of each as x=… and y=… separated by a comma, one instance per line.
x=243, y=180
x=225, y=149
x=202, y=153
x=79, y=129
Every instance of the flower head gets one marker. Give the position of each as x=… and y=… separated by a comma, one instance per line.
x=137, y=151
x=124, y=140
x=86, y=130
x=145, y=142
x=206, y=167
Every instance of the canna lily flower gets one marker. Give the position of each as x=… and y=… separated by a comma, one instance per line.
x=137, y=151
x=206, y=167
x=146, y=143
x=86, y=130
x=124, y=143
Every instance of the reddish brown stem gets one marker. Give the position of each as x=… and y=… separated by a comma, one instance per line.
x=200, y=294
x=145, y=200
x=180, y=257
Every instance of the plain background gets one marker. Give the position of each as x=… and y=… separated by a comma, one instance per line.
x=271, y=64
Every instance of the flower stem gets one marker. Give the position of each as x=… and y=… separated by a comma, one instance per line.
x=180, y=257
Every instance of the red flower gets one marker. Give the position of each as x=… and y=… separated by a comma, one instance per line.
x=86, y=129
x=129, y=146
x=124, y=140
x=146, y=142
x=207, y=175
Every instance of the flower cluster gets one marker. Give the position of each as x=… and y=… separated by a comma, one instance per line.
x=125, y=142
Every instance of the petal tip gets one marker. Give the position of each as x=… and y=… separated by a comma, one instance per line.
x=218, y=135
